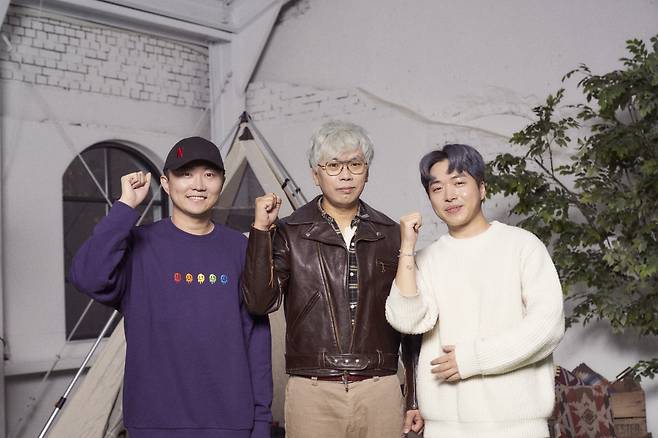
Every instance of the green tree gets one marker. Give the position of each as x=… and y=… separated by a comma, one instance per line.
x=598, y=211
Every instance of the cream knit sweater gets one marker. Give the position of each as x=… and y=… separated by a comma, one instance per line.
x=497, y=298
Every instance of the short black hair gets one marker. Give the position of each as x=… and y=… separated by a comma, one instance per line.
x=460, y=157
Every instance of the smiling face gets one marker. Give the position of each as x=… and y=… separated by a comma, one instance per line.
x=456, y=198
x=342, y=191
x=194, y=190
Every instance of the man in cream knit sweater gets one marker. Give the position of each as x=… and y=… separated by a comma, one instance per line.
x=488, y=299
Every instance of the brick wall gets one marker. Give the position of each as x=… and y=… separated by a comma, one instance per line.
x=283, y=101
x=57, y=51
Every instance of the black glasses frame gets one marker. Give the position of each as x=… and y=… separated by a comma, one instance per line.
x=344, y=164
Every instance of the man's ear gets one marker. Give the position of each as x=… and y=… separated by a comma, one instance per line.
x=164, y=183
x=316, y=178
x=483, y=191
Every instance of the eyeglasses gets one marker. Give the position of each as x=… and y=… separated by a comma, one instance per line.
x=335, y=167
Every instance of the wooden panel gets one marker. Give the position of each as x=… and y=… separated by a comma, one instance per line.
x=631, y=427
x=628, y=404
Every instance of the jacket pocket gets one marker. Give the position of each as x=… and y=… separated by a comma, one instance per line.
x=292, y=327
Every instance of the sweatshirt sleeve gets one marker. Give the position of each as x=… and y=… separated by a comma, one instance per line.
x=97, y=268
x=413, y=315
x=259, y=350
x=538, y=333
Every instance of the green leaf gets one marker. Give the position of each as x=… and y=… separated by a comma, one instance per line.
x=598, y=212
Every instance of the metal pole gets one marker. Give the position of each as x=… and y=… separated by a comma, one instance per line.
x=232, y=133
x=62, y=400
x=296, y=197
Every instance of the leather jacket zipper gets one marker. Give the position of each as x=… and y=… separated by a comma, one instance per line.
x=356, y=314
x=271, y=282
x=329, y=300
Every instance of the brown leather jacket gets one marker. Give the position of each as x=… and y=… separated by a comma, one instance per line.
x=305, y=260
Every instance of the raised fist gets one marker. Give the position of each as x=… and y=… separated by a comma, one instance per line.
x=267, y=210
x=409, y=226
x=134, y=188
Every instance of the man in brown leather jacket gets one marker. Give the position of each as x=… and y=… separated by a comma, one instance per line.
x=332, y=263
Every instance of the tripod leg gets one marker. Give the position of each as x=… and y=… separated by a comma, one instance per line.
x=60, y=403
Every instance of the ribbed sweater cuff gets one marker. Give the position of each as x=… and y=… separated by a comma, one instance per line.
x=122, y=212
x=467, y=360
x=404, y=312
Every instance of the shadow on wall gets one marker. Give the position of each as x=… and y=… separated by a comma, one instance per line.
x=621, y=349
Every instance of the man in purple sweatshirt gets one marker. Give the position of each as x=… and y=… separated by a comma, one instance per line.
x=197, y=364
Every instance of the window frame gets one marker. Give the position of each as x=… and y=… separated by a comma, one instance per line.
x=72, y=308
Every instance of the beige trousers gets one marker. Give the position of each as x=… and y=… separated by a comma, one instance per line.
x=372, y=408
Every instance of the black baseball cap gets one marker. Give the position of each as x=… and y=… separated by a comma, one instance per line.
x=193, y=149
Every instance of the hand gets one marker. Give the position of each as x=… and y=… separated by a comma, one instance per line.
x=446, y=366
x=413, y=421
x=409, y=226
x=267, y=210
x=134, y=188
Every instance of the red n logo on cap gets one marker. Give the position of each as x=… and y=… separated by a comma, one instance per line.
x=179, y=153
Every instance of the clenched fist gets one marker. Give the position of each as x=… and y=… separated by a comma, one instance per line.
x=267, y=210
x=134, y=188
x=409, y=226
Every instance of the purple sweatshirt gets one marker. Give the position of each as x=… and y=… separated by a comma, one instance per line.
x=196, y=361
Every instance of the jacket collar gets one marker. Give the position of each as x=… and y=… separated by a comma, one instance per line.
x=318, y=228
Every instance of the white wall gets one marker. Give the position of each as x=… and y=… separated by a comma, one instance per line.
x=443, y=57
x=420, y=74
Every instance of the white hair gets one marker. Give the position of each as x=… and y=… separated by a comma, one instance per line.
x=335, y=137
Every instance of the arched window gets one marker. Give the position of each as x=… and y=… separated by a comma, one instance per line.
x=84, y=206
